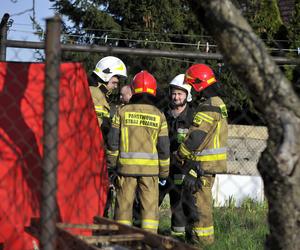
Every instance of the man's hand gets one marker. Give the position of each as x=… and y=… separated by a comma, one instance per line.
x=192, y=180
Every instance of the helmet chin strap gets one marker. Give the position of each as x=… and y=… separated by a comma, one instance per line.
x=104, y=89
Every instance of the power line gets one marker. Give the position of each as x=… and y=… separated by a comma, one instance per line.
x=22, y=12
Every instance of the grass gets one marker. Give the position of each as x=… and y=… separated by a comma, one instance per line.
x=239, y=228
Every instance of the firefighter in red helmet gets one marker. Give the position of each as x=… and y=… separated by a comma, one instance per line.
x=204, y=152
x=138, y=148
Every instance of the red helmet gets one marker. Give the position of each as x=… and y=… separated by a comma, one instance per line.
x=200, y=76
x=144, y=82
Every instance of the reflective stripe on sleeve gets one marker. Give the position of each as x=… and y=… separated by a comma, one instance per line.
x=200, y=116
x=101, y=111
x=218, y=157
x=183, y=150
x=215, y=154
x=212, y=151
x=217, y=136
x=154, y=141
x=164, y=125
x=164, y=163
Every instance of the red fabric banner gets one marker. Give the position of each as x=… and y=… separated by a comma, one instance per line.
x=81, y=176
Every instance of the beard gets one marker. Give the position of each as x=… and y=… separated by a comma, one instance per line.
x=177, y=104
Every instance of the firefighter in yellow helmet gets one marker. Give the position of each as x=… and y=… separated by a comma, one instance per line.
x=138, y=146
x=204, y=152
x=104, y=79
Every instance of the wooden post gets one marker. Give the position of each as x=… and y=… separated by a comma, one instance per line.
x=3, y=36
x=51, y=115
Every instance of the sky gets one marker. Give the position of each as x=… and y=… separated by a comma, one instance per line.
x=22, y=29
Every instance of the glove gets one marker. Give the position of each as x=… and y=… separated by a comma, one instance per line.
x=192, y=180
x=112, y=175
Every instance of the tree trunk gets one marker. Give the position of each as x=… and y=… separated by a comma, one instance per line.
x=279, y=165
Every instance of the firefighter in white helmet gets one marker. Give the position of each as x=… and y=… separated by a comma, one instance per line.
x=179, y=115
x=104, y=79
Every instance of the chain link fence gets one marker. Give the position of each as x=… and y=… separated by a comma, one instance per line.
x=52, y=158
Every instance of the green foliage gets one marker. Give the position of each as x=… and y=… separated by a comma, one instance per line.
x=166, y=25
x=242, y=228
x=294, y=35
x=264, y=17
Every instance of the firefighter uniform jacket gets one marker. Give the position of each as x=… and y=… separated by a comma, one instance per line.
x=138, y=141
x=101, y=105
x=206, y=141
x=178, y=129
x=178, y=126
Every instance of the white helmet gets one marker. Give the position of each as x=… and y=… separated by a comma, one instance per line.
x=110, y=66
x=177, y=82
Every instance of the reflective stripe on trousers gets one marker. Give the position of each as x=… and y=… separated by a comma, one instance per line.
x=204, y=231
x=150, y=224
x=125, y=222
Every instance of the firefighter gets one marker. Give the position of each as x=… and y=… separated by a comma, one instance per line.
x=104, y=79
x=179, y=115
x=204, y=152
x=138, y=146
x=125, y=94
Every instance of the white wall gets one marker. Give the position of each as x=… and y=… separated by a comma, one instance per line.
x=238, y=187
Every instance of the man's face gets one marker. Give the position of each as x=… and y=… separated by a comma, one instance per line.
x=178, y=96
x=125, y=94
x=113, y=83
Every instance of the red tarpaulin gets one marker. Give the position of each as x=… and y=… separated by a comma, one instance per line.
x=81, y=175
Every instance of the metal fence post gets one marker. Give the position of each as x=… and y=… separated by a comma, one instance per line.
x=49, y=210
x=3, y=36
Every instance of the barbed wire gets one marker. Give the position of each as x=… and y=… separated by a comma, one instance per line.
x=90, y=39
x=155, y=33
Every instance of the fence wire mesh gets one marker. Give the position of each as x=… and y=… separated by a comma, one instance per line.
x=81, y=174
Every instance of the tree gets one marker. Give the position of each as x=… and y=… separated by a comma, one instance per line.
x=279, y=165
x=294, y=36
x=140, y=24
x=166, y=25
